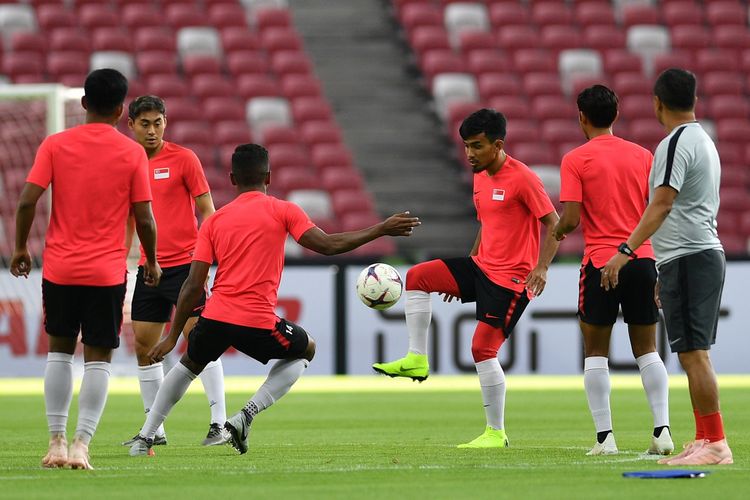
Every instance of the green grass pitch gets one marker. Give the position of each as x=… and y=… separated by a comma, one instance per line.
x=373, y=437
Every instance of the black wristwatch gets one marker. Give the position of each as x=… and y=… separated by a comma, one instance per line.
x=626, y=250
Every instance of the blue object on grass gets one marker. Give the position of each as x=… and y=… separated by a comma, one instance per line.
x=667, y=474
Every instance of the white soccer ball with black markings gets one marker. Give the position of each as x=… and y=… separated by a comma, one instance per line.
x=379, y=286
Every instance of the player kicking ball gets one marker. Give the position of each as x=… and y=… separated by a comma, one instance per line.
x=246, y=238
x=504, y=268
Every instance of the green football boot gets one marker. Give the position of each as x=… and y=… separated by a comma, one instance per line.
x=413, y=366
x=491, y=438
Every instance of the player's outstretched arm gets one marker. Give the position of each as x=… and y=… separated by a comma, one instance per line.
x=20, y=263
x=537, y=278
x=332, y=244
x=191, y=290
x=145, y=226
x=569, y=220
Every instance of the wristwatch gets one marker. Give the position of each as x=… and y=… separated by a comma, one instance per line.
x=626, y=250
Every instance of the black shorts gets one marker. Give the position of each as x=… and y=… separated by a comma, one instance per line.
x=634, y=292
x=690, y=289
x=496, y=305
x=155, y=304
x=210, y=339
x=95, y=311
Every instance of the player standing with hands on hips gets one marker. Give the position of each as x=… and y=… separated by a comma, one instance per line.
x=681, y=222
x=504, y=268
x=246, y=238
x=97, y=175
x=179, y=186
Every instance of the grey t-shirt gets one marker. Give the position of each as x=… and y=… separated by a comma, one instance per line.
x=687, y=160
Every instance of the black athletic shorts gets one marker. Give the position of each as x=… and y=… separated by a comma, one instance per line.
x=155, y=304
x=95, y=311
x=634, y=292
x=496, y=305
x=690, y=289
x=210, y=339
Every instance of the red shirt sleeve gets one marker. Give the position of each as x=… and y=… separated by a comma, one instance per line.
x=193, y=175
x=204, y=247
x=140, y=187
x=297, y=221
x=41, y=171
x=571, y=188
x=536, y=198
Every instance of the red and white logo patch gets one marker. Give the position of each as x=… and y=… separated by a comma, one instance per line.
x=498, y=194
x=161, y=173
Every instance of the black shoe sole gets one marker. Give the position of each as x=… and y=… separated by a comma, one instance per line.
x=236, y=442
x=416, y=379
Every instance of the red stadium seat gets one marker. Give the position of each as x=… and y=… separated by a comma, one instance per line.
x=219, y=109
x=731, y=154
x=675, y=59
x=23, y=66
x=729, y=106
x=558, y=131
x=232, y=133
x=69, y=40
x=167, y=86
x=235, y=39
x=731, y=39
x=351, y=201
x=436, y=62
x=683, y=13
x=311, y=108
x=358, y=220
x=512, y=38
x=137, y=16
x=204, y=86
x=181, y=109
x=276, y=39
x=201, y=65
x=690, y=37
x=534, y=60
x=536, y=84
x=293, y=86
x=508, y=14
x=249, y=86
x=622, y=61
x=632, y=84
x=376, y=248
x=51, y=16
x=272, y=18
x=93, y=16
x=287, y=155
x=550, y=14
x=646, y=132
x=723, y=83
x=497, y=84
x=637, y=106
x=66, y=63
x=726, y=13
x=187, y=132
x=247, y=63
x=469, y=41
x=604, y=37
x=594, y=14
x=715, y=60
x=154, y=39
x=732, y=130
x=549, y=107
x=423, y=39
x=108, y=39
x=320, y=132
x=512, y=106
x=458, y=111
x=480, y=62
x=557, y=38
x=735, y=198
x=287, y=62
x=29, y=42
x=421, y=14
x=227, y=15
x=289, y=179
x=341, y=179
x=533, y=153
x=185, y=15
x=151, y=63
x=324, y=156
x=633, y=14
x=280, y=135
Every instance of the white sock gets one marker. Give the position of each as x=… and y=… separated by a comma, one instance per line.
x=92, y=398
x=418, y=316
x=656, y=384
x=282, y=376
x=58, y=390
x=492, y=382
x=212, y=377
x=172, y=389
x=596, y=382
x=150, y=379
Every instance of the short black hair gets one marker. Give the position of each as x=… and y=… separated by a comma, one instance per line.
x=250, y=164
x=599, y=105
x=145, y=103
x=105, y=89
x=675, y=88
x=489, y=121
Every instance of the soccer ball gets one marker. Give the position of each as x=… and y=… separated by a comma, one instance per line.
x=379, y=286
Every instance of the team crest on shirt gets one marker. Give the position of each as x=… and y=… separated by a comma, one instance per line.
x=161, y=173
x=498, y=194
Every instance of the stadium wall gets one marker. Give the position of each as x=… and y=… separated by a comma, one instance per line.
x=350, y=337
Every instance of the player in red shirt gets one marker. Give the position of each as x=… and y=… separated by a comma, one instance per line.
x=246, y=238
x=179, y=186
x=504, y=268
x=97, y=176
x=604, y=187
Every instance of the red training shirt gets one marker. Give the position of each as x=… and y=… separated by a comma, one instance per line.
x=246, y=237
x=176, y=177
x=608, y=176
x=509, y=205
x=96, y=174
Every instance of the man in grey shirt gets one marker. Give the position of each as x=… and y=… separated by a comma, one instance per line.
x=681, y=222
